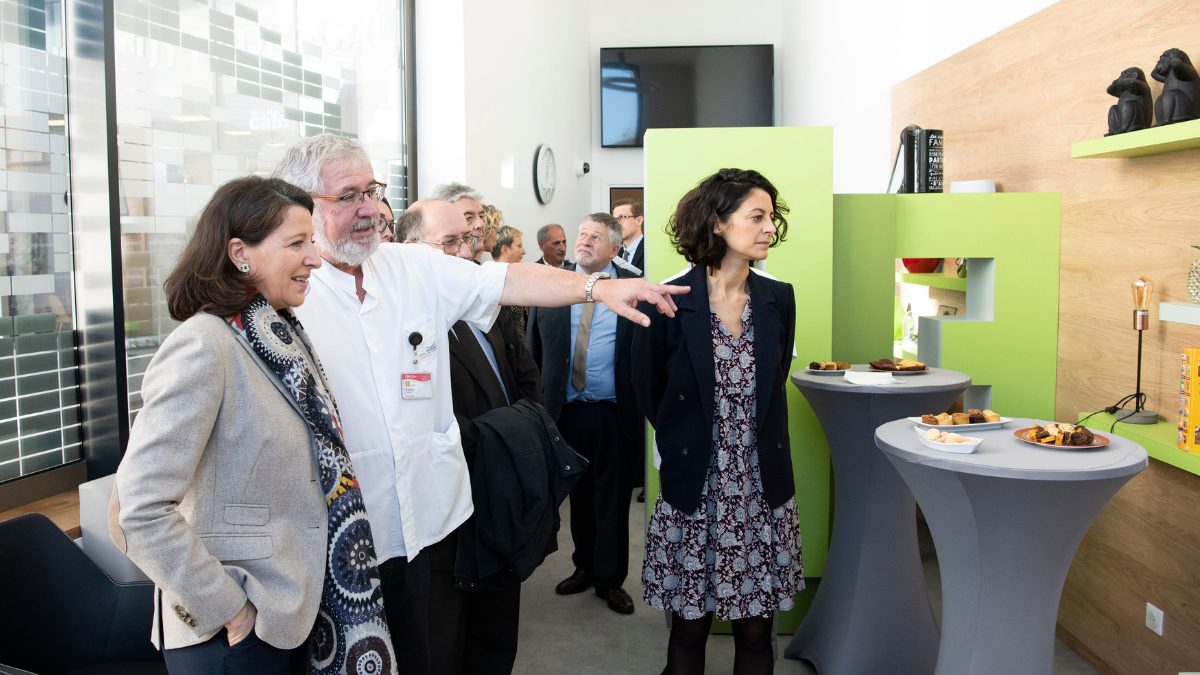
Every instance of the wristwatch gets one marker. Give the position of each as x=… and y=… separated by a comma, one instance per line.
x=587, y=290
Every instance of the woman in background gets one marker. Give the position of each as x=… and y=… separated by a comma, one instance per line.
x=493, y=220
x=388, y=233
x=509, y=249
x=236, y=495
x=724, y=537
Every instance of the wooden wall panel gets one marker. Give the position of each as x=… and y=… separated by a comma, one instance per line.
x=1010, y=107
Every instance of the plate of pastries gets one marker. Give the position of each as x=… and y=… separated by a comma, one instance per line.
x=828, y=367
x=972, y=420
x=1062, y=435
x=901, y=367
x=947, y=441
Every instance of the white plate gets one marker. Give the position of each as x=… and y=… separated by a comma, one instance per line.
x=958, y=448
x=982, y=426
x=828, y=372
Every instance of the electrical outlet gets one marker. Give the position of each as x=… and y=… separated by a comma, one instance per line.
x=1154, y=619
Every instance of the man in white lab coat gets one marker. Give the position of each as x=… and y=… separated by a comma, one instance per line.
x=379, y=320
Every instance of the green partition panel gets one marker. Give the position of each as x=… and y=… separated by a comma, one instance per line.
x=1008, y=340
x=799, y=162
x=864, y=277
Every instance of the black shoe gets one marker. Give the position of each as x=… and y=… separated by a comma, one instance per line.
x=642, y=496
x=578, y=582
x=618, y=600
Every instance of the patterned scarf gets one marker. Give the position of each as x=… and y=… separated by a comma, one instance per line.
x=351, y=634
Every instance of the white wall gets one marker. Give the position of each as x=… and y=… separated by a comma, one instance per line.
x=841, y=60
x=495, y=79
x=667, y=23
x=441, y=94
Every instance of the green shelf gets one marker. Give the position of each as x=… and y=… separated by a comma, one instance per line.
x=1158, y=440
x=936, y=280
x=1152, y=141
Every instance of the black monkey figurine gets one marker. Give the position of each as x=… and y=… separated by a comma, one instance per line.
x=1179, y=100
x=1132, y=111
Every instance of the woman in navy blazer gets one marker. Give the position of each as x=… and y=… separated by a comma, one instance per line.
x=724, y=537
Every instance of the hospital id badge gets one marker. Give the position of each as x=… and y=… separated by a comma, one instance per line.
x=415, y=386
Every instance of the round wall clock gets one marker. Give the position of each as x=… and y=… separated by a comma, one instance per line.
x=544, y=174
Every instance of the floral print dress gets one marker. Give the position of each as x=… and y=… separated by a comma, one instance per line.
x=735, y=556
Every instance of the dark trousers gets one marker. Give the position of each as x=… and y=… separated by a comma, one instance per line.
x=251, y=656
x=470, y=632
x=600, y=500
x=405, y=586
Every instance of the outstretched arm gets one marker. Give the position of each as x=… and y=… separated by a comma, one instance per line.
x=542, y=286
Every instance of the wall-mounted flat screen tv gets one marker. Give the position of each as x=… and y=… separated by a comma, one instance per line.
x=681, y=87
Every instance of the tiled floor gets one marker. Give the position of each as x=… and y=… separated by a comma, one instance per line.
x=579, y=635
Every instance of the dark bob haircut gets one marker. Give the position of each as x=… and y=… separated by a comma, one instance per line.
x=204, y=279
x=714, y=200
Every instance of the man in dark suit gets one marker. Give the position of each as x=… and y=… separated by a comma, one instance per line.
x=628, y=212
x=473, y=630
x=552, y=240
x=583, y=353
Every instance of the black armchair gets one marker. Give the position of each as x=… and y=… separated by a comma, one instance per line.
x=63, y=615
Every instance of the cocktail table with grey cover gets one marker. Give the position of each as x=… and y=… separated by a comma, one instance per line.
x=871, y=615
x=1006, y=521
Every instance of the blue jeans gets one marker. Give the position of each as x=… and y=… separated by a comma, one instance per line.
x=251, y=656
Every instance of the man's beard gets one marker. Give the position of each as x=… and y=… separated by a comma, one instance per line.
x=347, y=251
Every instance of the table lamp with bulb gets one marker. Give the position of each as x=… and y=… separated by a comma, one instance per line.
x=1143, y=289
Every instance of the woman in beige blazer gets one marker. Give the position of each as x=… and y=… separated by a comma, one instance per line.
x=236, y=495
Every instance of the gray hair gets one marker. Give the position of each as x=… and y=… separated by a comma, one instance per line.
x=614, y=227
x=452, y=192
x=410, y=225
x=543, y=233
x=504, y=237
x=303, y=162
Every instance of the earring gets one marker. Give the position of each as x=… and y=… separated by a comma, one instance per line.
x=245, y=268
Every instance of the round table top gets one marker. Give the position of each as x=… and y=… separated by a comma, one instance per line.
x=1004, y=456
x=935, y=380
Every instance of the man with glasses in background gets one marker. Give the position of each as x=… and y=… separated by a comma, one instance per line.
x=628, y=212
x=470, y=203
x=472, y=627
x=379, y=319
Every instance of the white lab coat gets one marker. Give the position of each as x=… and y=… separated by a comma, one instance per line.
x=407, y=453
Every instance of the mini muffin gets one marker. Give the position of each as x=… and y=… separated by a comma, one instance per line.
x=928, y=419
x=961, y=418
x=975, y=416
x=816, y=365
x=831, y=365
x=945, y=420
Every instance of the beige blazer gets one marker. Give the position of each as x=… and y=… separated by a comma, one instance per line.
x=217, y=499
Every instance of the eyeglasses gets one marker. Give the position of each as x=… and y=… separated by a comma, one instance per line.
x=354, y=200
x=621, y=218
x=451, y=247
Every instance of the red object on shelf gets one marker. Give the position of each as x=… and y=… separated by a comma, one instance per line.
x=921, y=265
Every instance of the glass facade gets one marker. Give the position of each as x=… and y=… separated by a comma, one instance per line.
x=39, y=411
x=204, y=91
x=210, y=91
